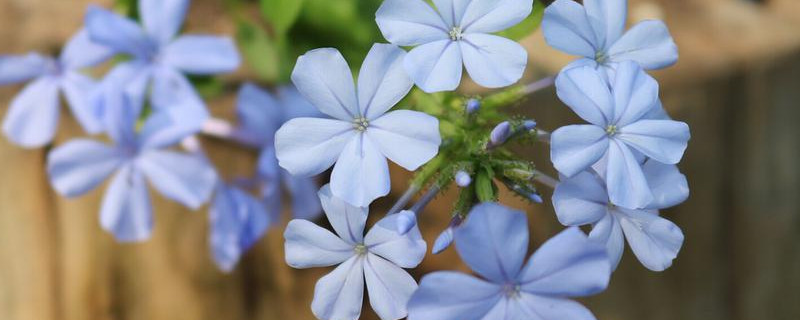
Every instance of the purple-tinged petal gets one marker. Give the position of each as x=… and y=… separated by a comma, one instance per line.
x=202, y=55
x=324, y=78
x=340, y=294
x=295, y=105
x=662, y=140
x=382, y=82
x=543, y=307
x=567, y=28
x=126, y=211
x=575, y=148
x=567, y=265
x=32, y=120
x=308, y=246
x=167, y=127
x=405, y=250
x=80, y=166
x=408, y=138
x=237, y=222
x=305, y=202
x=120, y=118
x=635, y=94
x=493, y=241
x=410, y=22
x=585, y=92
x=81, y=52
x=669, y=186
x=435, y=66
x=78, y=90
x=308, y=146
x=654, y=240
x=121, y=34
x=493, y=61
x=187, y=179
x=16, y=69
x=648, y=43
x=490, y=16
x=361, y=173
x=348, y=221
x=625, y=181
x=389, y=287
x=453, y=296
x=607, y=18
x=259, y=113
x=163, y=18
x=580, y=200
x=451, y=11
x=608, y=232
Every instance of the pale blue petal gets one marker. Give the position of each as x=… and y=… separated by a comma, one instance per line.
x=258, y=112
x=167, y=127
x=120, y=118
x=648, y=43
x=453, y=296
x=410, y=22
x=567, y=265
x=163, y=18
x=16, y=69
x=546, y=308
x=32, y=119
x=585, y=92
x=408, y=138
x=580, y=200
x=567, y=28
x=171, y=88
x=187, y=179
x=237, y=222
x=81, y=165
x=295, y=105
x=490, y=16
x=625, y=181
x=126, y=211
x=308, y=246
x=668, y=184
x=575, y=148
x=305, y=203
x=389, y=287
x=452, y=11
x=435, y=66
x=663, y=140
x=202, y=55
x=131, y=78
x=608, y=232
x=493, y=61
x=493, y=241
x=654, y=240
x=308, y=146
x=78, y=90
x=81, y=52
x=361, y=173
x=268, y=167
x=406, y=251
x=340, y=294
x=607, y=18
x=324, y=78
x=635, y=94
x=347, y=220
x=121, y=34
x=382, y=82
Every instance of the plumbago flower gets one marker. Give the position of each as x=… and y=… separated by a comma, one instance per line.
x=458, y=34
x=596, y=31
x=361, y=135
x=583, y=200
x=260, y=115
x=379, y=257
x=159, y=59
x=238, y=221
x=81, y=165
x=33, y=118
x=493, y=242
x=621, y=127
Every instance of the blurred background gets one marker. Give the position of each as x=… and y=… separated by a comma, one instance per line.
x=737, y=84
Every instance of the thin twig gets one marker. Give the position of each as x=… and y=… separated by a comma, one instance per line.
x=222, y=129
x=404, y=199
x=544, y=179
x=538, y=85
x=426, y=198
x=543, y=136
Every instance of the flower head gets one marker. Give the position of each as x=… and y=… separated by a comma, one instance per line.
x=458, y=35
x=237, y=221
x=493, y=242
x=361, y=134
x=379, y=257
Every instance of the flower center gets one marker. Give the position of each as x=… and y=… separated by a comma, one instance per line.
x=512, y=290
x=360, y=124
x=455, y=34
x=601, y=57
x=611, y=130
x=360, y=249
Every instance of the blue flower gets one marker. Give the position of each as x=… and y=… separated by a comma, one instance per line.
x=81, y=165
x=361, y=135
x=583, y=200
x=493, y=242
x=260, y=115
x=622, y=126
x=159, y=58
x=459, y=34
x=238, y=221
x=380, y=257
x=33, y=118
x=596, y=31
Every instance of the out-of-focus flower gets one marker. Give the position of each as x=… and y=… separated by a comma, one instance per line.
x=238, y=221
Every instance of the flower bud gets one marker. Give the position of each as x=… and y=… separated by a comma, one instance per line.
x=529, y=125
x=500, y=133
x=472, y=106
x=444, y=240
x=463, y=179
x=406, y=220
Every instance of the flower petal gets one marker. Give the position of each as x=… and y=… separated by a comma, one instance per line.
x=308, y=146
x=305, y=202
x=32, y=120
x=668, y=184
x=340, y=294
x=389, y=287
x=258, y=113
x=382, y=82
x=410, y=22
x=121, y=34
x=626, y=184
x=187, y=179
x=202, y=55
x=493, y=61
x=324, y=78
x=406, y=251
x=580, y=200
x=361, y=173
x=169, y=126
x=451, y=11
x=493, y=241
x=126, y=211
x=542, y=307
x=567, y=265
x=648, y=43
x=663, y=140
x=654, y=240
x=608, y=232
x=348, y=221
x=308, y=246
x=78, y=90
x=81, y=165
x=575, y=148
x=81, y=52
x=237, y=222
x=585, y=92
x=435, y=66
x=408, y=138
x=295, y=105
x=567, y=28
x=607, y=18
x=490, y=16
x=163, y=18
x=448, y=295
x=16, y=69
x=635, y=94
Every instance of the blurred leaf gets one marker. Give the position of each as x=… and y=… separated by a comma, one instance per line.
x=527, y=26
x=281, y=14
x=207, y=86
x=260, y=52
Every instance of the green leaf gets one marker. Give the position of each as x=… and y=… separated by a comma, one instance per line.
x=527, y=26
x=281, y=14
x=260, y=52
